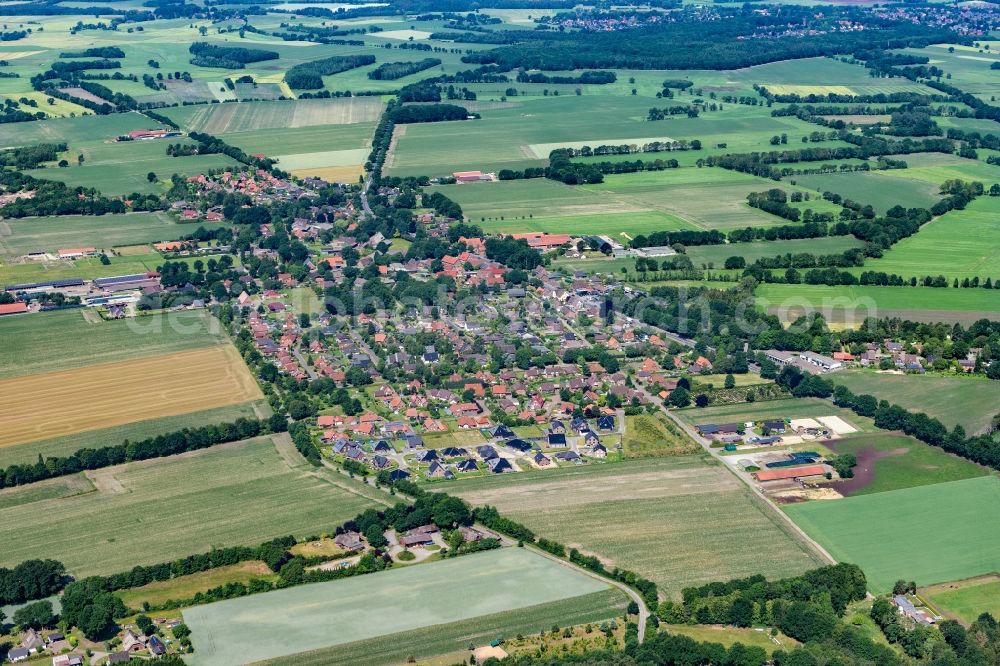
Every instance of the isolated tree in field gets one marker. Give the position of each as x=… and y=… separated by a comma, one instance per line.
x=701, y=400
x=151, y=177
x=730, y=382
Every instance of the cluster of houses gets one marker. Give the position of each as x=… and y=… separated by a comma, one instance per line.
x=394, y=446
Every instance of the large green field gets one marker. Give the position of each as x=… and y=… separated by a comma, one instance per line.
x=952, y=400
x=929, y=534
x=522, y=131
x=889, y=461
x=709, y=198
x=966, y=66
x=851, y=304
x=270, y=625
x=65, y=339
x=717, y=254
x=157, y=510
x=49, y=234
x=959, y=244
x=128, y=170
x=455, y=637
x=679, y=521
x=877, y=188
x=88, y=268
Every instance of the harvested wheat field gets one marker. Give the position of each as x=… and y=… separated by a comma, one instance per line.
x=103, y=395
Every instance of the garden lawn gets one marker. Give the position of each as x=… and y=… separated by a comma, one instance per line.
x=161, y=509
x=899, y=462
x=930, y=534
x=679, y=521
x=272, y=624
x=963, y=401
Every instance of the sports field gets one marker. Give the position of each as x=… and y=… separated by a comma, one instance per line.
x=965, y=600
x=157, y=510
x=109, y=394
x=64, y=339
x=929, y=534
x=308, y=617
x=679, y=521
x=888, y=461
x=952, y=400
x=49, y=234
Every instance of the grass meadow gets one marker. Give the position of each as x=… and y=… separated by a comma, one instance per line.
x=930, y=534
x=185, y=587
x=851, y=304
x=680, y=521
x=717, y=254
x=967, y=66
x=228, y=633
x=64, y=339
x=903, y=462
x=877, y=188
x=49, y=234
x=154, y=511
x=651, y=436
x=965, y=600
x=455, y=637
x=963, y=401
x=959, y=244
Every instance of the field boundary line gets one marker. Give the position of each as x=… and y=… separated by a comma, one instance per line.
x=632, y=594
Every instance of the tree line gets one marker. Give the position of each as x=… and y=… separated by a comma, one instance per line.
x=180, y=441
x=390, y=71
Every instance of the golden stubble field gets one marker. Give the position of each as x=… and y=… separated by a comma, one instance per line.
x=103, y=395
